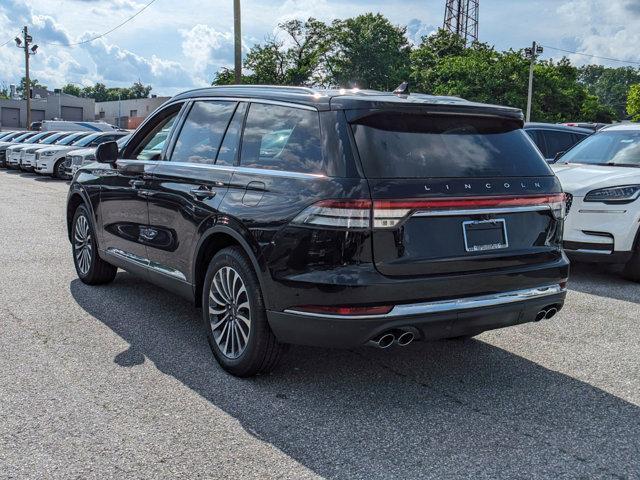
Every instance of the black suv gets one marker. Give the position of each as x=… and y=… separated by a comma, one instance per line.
x=328, y=218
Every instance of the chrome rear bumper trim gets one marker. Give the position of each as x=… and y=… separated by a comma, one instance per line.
x=451, y=305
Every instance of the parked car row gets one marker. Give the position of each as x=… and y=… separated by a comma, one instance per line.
x=50, y=152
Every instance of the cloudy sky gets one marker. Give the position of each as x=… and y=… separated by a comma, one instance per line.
x=178, y=44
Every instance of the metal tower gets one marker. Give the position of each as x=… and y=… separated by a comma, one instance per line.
x=461, y=18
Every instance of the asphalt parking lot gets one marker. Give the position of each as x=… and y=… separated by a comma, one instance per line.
x=118, y=382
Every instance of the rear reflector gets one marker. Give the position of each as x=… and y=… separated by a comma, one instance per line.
x=346, y=311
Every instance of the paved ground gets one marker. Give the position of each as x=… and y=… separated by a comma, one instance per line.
x=118, y=382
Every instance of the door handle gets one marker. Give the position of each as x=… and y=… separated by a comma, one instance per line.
x=137, y=183
x=202, y=192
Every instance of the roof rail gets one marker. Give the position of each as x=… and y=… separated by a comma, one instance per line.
x=271, y=87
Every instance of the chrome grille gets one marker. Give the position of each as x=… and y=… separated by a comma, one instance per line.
x=76, y=160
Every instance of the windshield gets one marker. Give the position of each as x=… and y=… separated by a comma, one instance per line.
x=619, y=147
x=37, y=137
x=23, y=137
x=71, y=138
x=53, y=138
x=402, y=145
x=87, y=140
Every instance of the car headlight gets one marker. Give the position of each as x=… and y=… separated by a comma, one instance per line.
x=47, y=154
x=621, y=194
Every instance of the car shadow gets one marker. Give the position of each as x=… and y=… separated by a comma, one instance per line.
x=440, y=409
x=603, y=280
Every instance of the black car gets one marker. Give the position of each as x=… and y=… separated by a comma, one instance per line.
x=328, y=218
x=554, y=139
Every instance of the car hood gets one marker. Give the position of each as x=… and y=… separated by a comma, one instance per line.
x=58, y=148
x=16, y=147
x=83, y=152
x=579, y=179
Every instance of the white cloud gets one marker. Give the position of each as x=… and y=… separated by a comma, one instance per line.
x=118, y=65
x=205, y=47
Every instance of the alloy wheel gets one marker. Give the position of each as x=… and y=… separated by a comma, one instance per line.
x=82, y=244
x=229, y=312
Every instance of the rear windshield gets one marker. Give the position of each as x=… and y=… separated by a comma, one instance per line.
x=402, y=145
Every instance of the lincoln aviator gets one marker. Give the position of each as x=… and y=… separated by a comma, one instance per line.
x=333, y=218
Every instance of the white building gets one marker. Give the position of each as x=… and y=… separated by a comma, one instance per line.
x=127, y=113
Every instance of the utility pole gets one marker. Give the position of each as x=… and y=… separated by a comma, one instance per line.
x=24, y=44
x=531, y=53
x=237, y=34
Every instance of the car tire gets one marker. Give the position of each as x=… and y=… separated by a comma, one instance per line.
x=58, y=169
x=632, y=267
x=91, y=269
x=235, y=318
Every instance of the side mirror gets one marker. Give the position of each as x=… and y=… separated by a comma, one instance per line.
x=107, y=152
x=558, y=155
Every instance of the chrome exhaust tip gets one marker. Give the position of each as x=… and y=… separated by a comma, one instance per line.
x=384, y=340
x=405, y=339
x=541, y=315
x=551, y=312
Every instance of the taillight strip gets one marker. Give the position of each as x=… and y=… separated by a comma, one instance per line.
x=461, y=202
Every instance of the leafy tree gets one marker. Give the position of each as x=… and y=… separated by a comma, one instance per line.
x=138, y=90
x=368, y=51
x=100, y=93
x=71, y=89
x=633, y=102
x=610, y=85
x=33, y=82
x=294, y=60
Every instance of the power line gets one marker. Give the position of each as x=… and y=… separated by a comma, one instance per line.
x=105, y=33
x=592, y=56
x=3, y=44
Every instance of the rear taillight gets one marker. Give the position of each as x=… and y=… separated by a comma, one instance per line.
x=337, y=214
x=389, y=213
x=362, y=214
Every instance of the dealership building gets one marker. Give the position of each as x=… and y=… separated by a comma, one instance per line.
x=127, y=113
x=46, y=105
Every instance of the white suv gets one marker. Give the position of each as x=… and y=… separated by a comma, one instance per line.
x=602, y=177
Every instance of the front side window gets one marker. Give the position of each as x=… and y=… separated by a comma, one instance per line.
x=200, y=137
x=152, y=144
x=282, y=138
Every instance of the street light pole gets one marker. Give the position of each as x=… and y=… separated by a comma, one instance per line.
x=237, y=41
x=531, y=53
x=24, y=44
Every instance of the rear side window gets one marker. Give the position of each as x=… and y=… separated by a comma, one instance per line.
x=408, y=145
x=202, y=132
x=558, y=142
x=282, y=138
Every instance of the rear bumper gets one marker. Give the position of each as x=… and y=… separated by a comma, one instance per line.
x=430, y=320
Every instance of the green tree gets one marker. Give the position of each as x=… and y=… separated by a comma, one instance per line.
x=294, y=60
x=368, y=51
x=633, y=102
x=610, y=85
x=139, y=90
x=71, y=89
x=33, y=82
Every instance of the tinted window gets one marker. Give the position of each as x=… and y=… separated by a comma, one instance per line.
x=282, y=138
x=400, y=145
x=607, y=148
x=229, y=148
x=71, y=139
x=151, y=146
x=558, y=142
x=202, y=132
x=536, y=136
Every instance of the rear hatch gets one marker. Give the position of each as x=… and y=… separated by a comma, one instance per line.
x=456, y=193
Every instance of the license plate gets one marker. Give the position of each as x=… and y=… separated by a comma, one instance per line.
x=483, y=235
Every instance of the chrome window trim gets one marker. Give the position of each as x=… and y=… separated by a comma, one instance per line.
x=248, y=100
x=241, y=169
x=480, y=211
x=452, y=305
